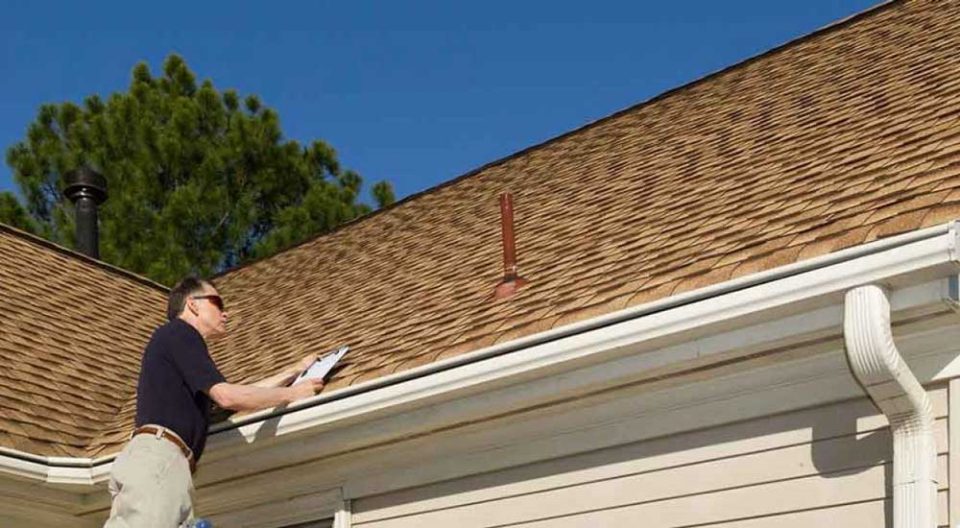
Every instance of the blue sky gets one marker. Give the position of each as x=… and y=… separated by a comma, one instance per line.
x=415, y=92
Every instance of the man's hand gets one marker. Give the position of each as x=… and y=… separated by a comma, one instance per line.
x=306, y=388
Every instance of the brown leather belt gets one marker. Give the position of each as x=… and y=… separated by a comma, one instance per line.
x=163, y=432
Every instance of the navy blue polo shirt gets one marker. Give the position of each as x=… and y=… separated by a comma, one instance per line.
x=175, y=377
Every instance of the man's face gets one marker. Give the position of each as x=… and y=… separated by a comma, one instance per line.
x=208, y=306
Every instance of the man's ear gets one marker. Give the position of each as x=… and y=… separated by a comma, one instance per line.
x=192, y=306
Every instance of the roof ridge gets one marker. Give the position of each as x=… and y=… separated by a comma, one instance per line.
x=80, y=257
x=833, y=26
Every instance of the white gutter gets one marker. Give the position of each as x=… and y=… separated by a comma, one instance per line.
x=891, y=385
x=926, y=250
x=53, y=468
x=947, y=251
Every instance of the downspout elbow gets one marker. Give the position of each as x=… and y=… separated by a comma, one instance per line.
x=885, y=376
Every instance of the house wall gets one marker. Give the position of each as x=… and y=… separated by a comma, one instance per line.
x=825, y=465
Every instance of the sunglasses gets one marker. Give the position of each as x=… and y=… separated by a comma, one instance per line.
x=215, y=299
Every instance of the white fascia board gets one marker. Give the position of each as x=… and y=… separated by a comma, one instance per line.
x=897, y=262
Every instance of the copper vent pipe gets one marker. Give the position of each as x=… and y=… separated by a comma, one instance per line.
x=511, y=278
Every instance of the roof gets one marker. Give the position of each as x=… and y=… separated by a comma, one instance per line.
x=71, y=332
x=837, y=139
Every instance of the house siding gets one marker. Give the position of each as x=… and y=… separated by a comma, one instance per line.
x=808, y=467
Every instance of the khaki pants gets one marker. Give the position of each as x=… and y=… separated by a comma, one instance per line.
x=151, y=485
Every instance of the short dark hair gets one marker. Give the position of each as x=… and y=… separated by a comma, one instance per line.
x=181, y=291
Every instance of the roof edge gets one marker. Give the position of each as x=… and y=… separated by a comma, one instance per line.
x=75, y=255
x=942, y=238
x=835, y=25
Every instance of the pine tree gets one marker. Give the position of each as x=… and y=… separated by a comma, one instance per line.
x=198, y=181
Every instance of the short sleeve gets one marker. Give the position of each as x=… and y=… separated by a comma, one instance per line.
x=191, y=358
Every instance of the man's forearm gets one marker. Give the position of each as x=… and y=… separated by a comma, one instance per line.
x=253, y=397
x=278, y=380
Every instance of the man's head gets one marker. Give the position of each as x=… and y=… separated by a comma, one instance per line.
x=198, y=303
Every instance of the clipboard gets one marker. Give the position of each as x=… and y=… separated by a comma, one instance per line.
x=322, y=366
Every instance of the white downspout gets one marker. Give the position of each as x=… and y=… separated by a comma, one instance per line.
x=894, y=389
x=343, y=516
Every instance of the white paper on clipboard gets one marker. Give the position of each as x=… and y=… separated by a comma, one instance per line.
x=322, y=366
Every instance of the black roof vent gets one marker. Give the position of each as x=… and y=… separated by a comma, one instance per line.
x=87, y=189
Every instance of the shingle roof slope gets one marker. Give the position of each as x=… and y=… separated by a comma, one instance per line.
x=71, y=333
x=831, y=141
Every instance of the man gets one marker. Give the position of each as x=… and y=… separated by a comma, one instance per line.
x=151, y=482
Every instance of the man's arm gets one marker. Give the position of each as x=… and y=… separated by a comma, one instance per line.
x=251, y=397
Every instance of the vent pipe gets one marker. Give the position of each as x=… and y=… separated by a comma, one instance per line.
x=87, y=189
x=511, y=277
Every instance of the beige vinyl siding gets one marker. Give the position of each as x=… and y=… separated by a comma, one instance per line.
x=802, y=468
